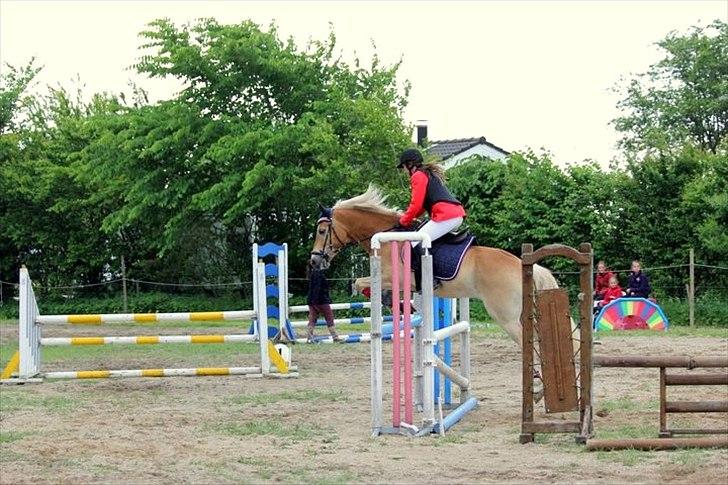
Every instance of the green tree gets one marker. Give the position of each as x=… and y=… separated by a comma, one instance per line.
x=261, y=133
x=683, y=98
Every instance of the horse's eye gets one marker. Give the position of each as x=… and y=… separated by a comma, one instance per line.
x=322, y=231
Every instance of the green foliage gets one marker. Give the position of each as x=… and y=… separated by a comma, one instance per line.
x=711, y=310
x=683, y=98
x=13, y=84
x=261, y=132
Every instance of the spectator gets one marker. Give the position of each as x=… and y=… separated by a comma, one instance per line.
x=601, y=284
x=319, y=303
x=638, y=284
x=613, y=292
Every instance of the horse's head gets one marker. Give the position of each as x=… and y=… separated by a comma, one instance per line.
x=330, y=238
x=349, y=222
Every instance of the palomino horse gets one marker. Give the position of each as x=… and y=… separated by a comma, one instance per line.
x=492, y=275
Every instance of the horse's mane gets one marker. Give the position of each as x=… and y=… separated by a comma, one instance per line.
x=370, y=201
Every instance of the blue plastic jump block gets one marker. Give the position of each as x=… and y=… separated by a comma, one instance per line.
x=272, y=331
x=271, y=291
x=269, y=248
x=272, y=312
x=271, y=270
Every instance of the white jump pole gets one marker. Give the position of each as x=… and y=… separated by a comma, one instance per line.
x=262, y=319
x=424, y=342
x=375, y=265
x=29, y=331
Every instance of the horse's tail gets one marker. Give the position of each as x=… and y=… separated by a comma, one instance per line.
x=543, y=278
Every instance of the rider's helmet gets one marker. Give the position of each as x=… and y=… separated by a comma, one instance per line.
x=409, y=158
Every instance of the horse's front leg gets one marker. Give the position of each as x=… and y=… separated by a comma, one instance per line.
x=386, y=269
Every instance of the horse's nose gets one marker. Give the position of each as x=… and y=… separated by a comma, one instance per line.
x=316, y=261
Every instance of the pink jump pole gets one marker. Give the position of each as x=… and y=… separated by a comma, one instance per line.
x=407, y=296
x=396, y=386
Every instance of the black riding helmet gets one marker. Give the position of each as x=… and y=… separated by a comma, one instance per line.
x=411, y=157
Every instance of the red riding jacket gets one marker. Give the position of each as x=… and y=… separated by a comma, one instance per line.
x=441, y=211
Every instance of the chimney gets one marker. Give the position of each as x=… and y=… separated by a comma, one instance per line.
x=421, y=132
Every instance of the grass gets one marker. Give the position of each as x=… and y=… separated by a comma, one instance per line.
x=12, y=400
x=627, y=457
x=264, y=468
x=160, y=351
x=449, y=439
x=296, y=432
x=11, y=436
x=672, y=332
x=305, y=395
x=625, y=404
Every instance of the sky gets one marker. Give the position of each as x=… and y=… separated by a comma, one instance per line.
x=524, y=74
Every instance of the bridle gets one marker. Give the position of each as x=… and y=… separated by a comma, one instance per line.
x=328, y=251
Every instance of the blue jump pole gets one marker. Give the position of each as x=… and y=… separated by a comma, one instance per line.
x=456, y=415
x=447, y=321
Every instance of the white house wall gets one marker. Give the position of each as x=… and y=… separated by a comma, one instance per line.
x=482, y=150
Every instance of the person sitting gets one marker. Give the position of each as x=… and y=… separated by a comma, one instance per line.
x=428, y=193
x=601, y=283
x=638, y=285
x=613, y=292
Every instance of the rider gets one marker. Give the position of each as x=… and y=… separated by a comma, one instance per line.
x=429, y=193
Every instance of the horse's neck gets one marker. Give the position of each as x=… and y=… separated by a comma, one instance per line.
x=362, y=225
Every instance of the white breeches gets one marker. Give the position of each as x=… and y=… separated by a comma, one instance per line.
x=438, y=229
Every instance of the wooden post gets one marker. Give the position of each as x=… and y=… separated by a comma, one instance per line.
x=585, y=342
x=527, y=347
x=691, y=292
x=664, y=433
x=123, y=284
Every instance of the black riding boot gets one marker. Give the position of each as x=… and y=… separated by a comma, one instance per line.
x=417, y=266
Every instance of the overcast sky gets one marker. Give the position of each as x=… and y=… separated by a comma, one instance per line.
x=522, y=74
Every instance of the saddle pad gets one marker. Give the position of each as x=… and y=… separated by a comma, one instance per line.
x=447, y=258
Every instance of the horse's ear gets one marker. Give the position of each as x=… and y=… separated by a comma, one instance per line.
x=325, y=212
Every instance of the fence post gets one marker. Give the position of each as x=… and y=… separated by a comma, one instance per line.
x=691, y=292
x=123, y=284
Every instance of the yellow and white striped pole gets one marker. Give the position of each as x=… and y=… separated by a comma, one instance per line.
x=199, y=371
x=147, y=340
x=98, y=319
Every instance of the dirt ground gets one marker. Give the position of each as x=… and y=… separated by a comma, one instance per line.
x=316, y=428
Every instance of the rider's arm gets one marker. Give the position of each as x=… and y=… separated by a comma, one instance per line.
x=418, y=182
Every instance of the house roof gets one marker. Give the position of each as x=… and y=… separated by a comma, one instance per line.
x=448, y=148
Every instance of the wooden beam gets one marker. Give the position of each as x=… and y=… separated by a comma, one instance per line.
x=659, y=361
x=657, y=443
x=696, y=379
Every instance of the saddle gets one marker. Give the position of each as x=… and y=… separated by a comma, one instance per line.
x=447, y=252
x=453, y=238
